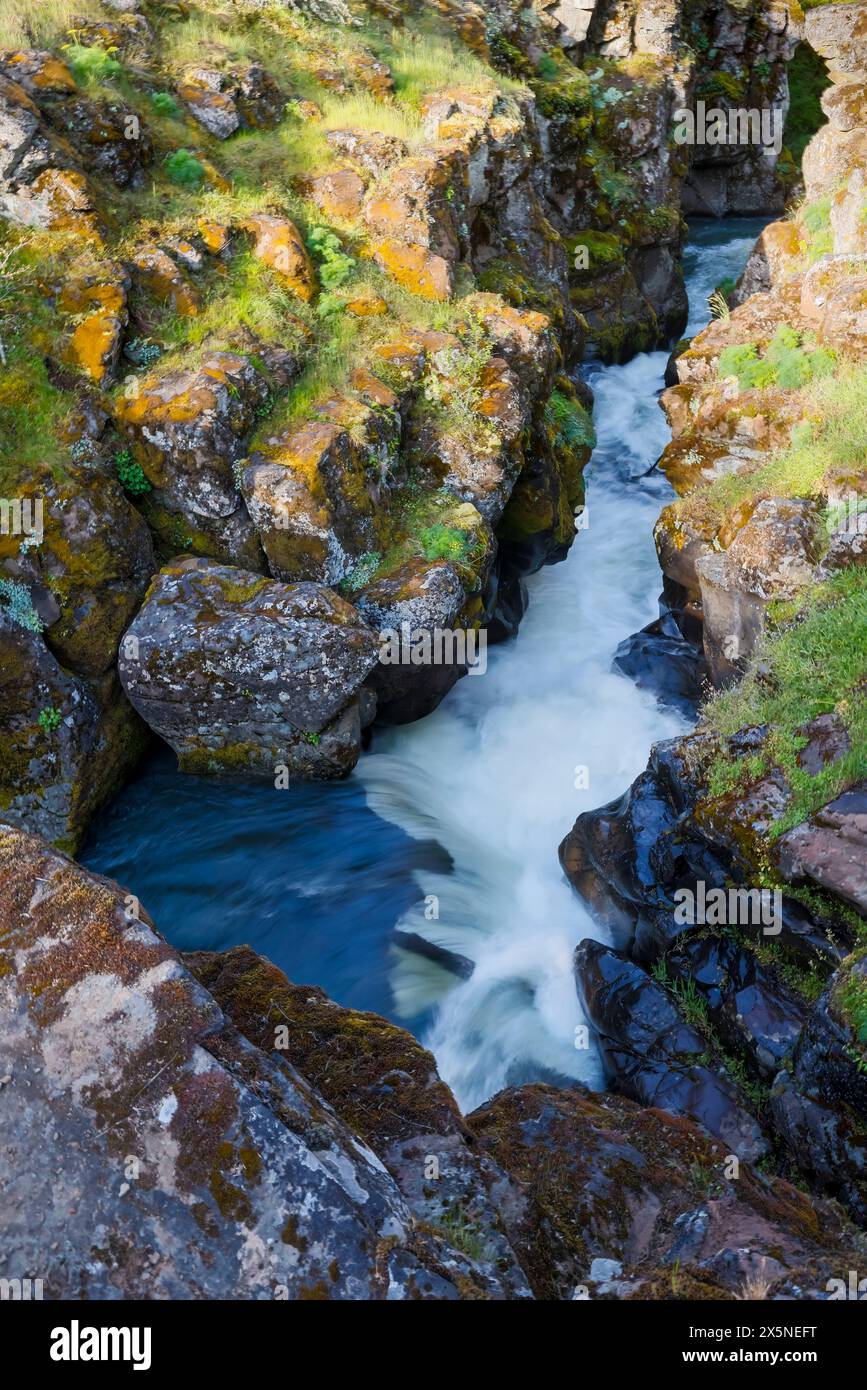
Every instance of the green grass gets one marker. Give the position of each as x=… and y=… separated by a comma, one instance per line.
x=830, y=440
x=786, y=362
x=818, y=665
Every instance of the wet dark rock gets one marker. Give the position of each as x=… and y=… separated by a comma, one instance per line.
x=452, y=961
x=659, y=660
x=652, y=1055
x=605, y=856
x=753, y=1012
x=823, y=1144
x=510, y=605
x=831, y=1058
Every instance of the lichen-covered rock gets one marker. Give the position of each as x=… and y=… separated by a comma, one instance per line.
x=66, y=746
x=384, y=1086
x=91, y=568
x=773, y=556
x=158, y=274
x=246, y=97
x=596, y=1183
x=316, y=491
x=187, y=426
x=278, y=244
x=40, y=185
x=244, y=676
x=150, y=1150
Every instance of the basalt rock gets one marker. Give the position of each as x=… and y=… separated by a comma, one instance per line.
x=67, y=744
x=188, y=1163
x=608, y=1200
x=247, y=677
x=830, y=848
x=384, y=1087
x=652, y=1055
x=91, y=569
x=186, y=429
x=751, y=1009
x=659, y=659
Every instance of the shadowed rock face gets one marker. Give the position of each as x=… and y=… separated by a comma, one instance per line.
x=152, y=1151
x=384, y=1086
x=652, y=1055
x=241, y=675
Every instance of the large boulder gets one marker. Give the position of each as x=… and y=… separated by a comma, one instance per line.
x=383, y=1085
x=149, y=1149
x=245, y=676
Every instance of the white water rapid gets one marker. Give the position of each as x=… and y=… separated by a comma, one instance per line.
x=491, y=775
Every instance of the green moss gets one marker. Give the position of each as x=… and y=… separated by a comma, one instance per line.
x=570, y=421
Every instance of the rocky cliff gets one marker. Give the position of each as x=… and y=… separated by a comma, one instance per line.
x=292, y=306
x=761, y=556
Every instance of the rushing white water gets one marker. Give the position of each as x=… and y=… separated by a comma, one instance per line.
x=491, y=775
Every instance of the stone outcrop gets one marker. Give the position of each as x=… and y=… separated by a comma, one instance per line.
x=189, y=1163
x=247, y=677
x=217, y=1132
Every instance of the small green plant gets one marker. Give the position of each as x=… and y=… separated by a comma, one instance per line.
x=361, y=573
x=571, y=421
x=49, y=719
x=311, y=738
x=184, y=169
x=548, y=68
x=786, y=362
x=335, y=266
x=461, y=1232
x=91, y=64
x=439, y=542
x=19, y=606
x=129, y=474
x=164, y=104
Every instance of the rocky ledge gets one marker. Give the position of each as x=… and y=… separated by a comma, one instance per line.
x=198, y=1127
